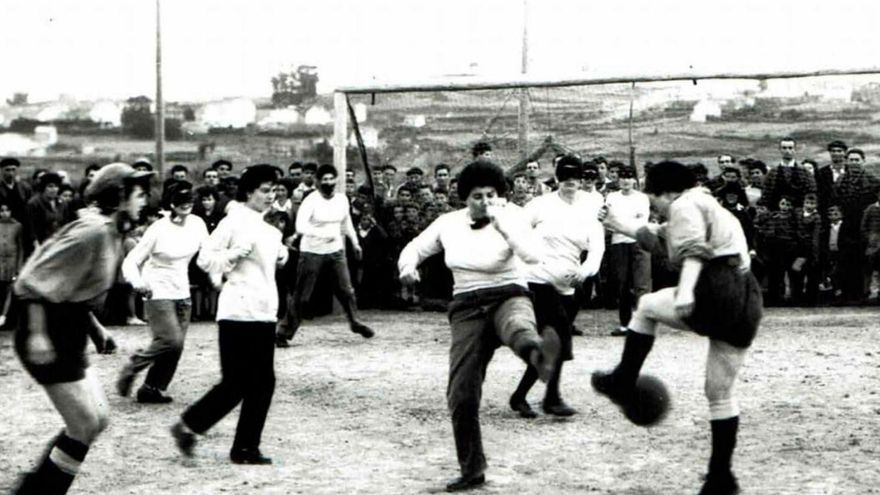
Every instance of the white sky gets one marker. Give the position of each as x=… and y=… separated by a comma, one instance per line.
x=216, y=48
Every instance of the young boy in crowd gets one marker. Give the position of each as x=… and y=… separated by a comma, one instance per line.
x=780, y=247
x=830, y=272
x=520, y=195
x=806, y=268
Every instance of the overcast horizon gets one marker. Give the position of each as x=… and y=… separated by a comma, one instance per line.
x=94, y=49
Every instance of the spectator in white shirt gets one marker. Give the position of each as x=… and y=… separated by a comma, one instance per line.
x=630, y=265
x=323, y=219
x=246, y=250
x=158, y=268
x=567, y=224
x=486, y=245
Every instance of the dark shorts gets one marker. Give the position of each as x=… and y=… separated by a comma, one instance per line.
x=728, y=304
x=550, y=310
x=67, y=326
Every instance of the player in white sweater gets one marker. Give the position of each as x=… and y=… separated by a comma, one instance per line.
x=485, y=247
x=158, y=268
x=630, y=265
x=246, y=250
x=567, y=224
x=324, y=221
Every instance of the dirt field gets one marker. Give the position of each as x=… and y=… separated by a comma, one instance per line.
x=355, y=416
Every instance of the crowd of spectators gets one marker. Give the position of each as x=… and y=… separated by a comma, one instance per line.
x=813, y=230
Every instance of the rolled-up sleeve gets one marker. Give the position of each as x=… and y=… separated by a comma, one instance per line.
x=687, y=232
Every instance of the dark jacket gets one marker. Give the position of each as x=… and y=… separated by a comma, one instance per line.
x=786, y=181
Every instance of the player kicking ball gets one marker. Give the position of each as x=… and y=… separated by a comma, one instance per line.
x=717, y=296
x=485, y=245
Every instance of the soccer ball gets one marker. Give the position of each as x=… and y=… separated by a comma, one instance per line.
x=649, y=403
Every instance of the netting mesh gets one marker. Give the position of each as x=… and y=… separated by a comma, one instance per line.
x=687, y=121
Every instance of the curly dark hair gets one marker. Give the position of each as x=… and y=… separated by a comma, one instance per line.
x=668, y=176
x=481, y=174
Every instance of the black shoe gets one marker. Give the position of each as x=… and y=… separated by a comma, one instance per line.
x=185, y=440
x=604, y=383
x=249, y=456
x=124, y=382
x=523, y=408
x=282, y=343
x=724, y=484
x=619, y=332
x=576, y=331
x=152, y=395
x=363, y=330
x=463, y=483
x=558, y=408
x=107, y=347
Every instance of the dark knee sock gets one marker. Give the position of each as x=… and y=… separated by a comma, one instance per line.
x=552, y=394
x=723, y=442
x=635, y=351
x=58, y=468
x=525, y=384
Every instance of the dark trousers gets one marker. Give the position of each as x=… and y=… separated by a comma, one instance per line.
x=169, y=320
x=482, y=321
x=851, y=271
x=247, y=362
x=308, y=269
x=779, y=262
x=805, y=284
x=631, y=277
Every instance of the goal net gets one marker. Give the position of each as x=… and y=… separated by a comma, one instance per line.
x=638, y=119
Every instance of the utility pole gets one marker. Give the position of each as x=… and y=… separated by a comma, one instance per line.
x=524, y=110
x=160, y=104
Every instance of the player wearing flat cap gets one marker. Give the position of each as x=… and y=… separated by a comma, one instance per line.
x=68, y=274
x=566, y=224
x=717, y=296
x=485, y=245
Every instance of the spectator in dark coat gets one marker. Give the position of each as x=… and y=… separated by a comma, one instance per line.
x=852, y=188
x=45, y=212
x=788, y=178
x=13, y=191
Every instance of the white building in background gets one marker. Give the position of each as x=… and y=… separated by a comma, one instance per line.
x=234, y=112
x=369, y=134
x=106, y=114
x=705, y=108
x=46, y=134
x=14, y=144
x=318, y=115
x=278, y=118
x=414, y=120
x=52, y=112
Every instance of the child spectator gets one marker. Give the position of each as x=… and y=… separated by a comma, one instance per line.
x=807, y=269
x=520, y=194
x=11, y=256
x=831, y=269
x=780, y=247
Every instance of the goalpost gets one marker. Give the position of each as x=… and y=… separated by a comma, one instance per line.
x=343, y=94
